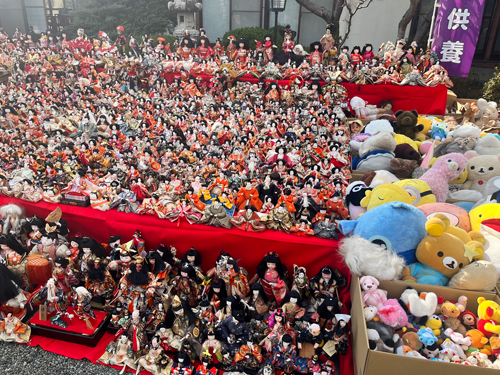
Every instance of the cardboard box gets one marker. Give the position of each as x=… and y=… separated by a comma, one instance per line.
x=368, y=362
x=451, y=98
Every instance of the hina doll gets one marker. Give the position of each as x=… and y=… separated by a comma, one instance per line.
x=150, y=361
x=283, y=353
x=185, y=287
x=248, y=195
x=183, y=210
x=291, y=307
x=249, y=356
x=336, y=341
x=182, y=365
x=98, y=279
x=237, y=280
x=63, y=274
x=316, y=54
x=157, y=266
x=327, y=282
x=326, y=228
x=308, y=343
x=271, y=274
x=119, y=353
x=212, y=346
x=301, y=282
x=248, y=220
x=278, y=219
x=256, y=302
x=303, y=229
x=215, y=214
x=13, y=330
x=235, y=331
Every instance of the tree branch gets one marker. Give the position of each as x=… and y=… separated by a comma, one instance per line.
x=362, y=4
x=318, y=10
x=407, y=17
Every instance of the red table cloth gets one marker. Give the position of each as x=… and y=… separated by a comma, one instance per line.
x=249, y=248
x=425, y=100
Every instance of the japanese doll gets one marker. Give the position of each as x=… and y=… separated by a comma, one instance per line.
x=271, y=274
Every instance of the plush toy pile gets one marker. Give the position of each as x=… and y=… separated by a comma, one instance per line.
x=428, y=327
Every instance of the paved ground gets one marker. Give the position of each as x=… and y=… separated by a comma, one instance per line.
x=18, y=359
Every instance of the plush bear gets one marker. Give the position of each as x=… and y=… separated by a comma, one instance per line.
x=407, y=123
x=488, y=313
x=480, y=275
x=440, y=255
x=451, y=313
x=487, y=145
x=480, y=169
x=406, y=151
x=488, y=113
x=372, y=296
x=445, y=169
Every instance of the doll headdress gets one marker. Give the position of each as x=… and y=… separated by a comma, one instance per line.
x=176, y=303
x=54, y=216
x=343, y=317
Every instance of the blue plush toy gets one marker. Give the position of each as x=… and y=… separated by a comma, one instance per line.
x=382, y=240
x=426, y=336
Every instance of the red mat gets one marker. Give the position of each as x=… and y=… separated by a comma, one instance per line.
x=77, y=325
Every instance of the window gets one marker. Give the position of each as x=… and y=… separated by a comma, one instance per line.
x=36, y=18
x=246, y=13
x=482, y=41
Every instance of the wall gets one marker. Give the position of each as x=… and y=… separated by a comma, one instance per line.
x=11, y=15
x=215, y=18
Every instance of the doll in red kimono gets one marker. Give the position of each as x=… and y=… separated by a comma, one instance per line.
x=271, y=274
x=248, y=195
x=218, y=49
x=204, y=50
x=316, y=54
x=248, y=220
x=242, y=52
x=186, y=49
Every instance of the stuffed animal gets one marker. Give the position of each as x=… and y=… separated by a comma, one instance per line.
x=371, y=295
x=386, y=193
x=491, y=192
x=422, y=305
x=487, y=145
x=370, y=313
x=427, y=124
x=355, y=192
x=440, y=255
x=431, y=351
x=468, y=319
x=457, y=215
x=375, y=178
x=376, y=343
x=386, y=333
x=393, y=315
x=495, y=345
x=435, y=324
x=426, y=336
x=465, y=131
x=374, y=248
x=403, y=141
x=408, y=352
x=412, y=340
x=445, y=169
x=403, y=167
x=377, y=126
x=484, y=212
x=456, y=349
x=480, y=169
x=460, y=146
x=418, y=189
x=439, y=130
x=478, y=340
x=488, y=313
x=376, y=152
x=488, y=113
x=406, y=123
x=480, y=275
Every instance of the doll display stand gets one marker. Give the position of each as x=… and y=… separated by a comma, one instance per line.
x=77, y=330
x=428, y=100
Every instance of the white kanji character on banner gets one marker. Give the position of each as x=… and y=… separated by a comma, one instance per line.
x=451, y=51
x=458, y=17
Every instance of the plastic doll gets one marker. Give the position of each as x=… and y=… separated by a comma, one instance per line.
x=150, y=361
x=271, y=274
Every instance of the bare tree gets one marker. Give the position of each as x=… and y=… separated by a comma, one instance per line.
x=407, y=17
x=351, y=12
x=330, y=16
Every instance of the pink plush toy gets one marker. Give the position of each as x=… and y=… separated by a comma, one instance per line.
x=372, y=296
x=393, y=315
x=447, y=168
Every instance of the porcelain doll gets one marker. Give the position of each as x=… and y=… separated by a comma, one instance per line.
x=283, y=353
x=84, y=306
x=50, y=248
x=150, y=361
x=336, y=341
x=271, y=274
x=327, y=282
x=185, y=286
x=181, y=365
x=13, y=330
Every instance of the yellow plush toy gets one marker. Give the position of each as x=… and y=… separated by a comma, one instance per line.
x=484, y=212
x=419, y=189
x=400, y=139
x=385, y=193
x=488, y=313
x=440, y=255
x=427, y=123
x=463, y=235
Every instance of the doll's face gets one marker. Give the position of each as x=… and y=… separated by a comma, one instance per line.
x=271, y=265
x=87, y=250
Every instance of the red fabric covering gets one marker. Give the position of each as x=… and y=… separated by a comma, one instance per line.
x=310, y=252
x=76, y=326
x=425, y=100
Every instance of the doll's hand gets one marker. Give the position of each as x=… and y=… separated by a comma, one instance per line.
x=299, y=345
x=316, y=346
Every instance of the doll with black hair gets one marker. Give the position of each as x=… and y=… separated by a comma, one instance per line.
x=11, y=251
x=182, y=365
x=12, y=298
x=327, y=281
x=182, y=325
x=63, y=275
x=98, y=279
x=292, y=307
x=217, y=295
x=50, y=247
x=185, y=286
x=193, y=258
x=367, y=52
x=336, y=340
x=272, y=275
x=157, y=265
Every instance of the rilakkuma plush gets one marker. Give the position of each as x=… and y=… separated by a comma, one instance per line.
x=488, y=112
x=375, y=178
x=488, y=313
x=460, y=146
x=478, y=340
x=482, y=213
x=422, y=305
x=386, y=193
x=375, y=248
x=386, y=333
x=480, y=275
x=376, y=343
x=355, y=192
x=445, y=169
x=488, y=145
x=393, y=315
x=457, y=215
x=457, y=338
x=480, y=169
x=371, y=295
x=375, y=153
x=403, y=167
x=490, y=192
x=439, y=130
x=419, y=189
x=440, y=255
x=407, y=123
x=370, y=313
x=426, y=336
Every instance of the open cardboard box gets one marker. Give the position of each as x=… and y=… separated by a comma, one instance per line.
x=368, y=362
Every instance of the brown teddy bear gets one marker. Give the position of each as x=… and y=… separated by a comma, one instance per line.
x=406, y=123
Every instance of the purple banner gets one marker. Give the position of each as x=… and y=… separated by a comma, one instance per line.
x=458, y=23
